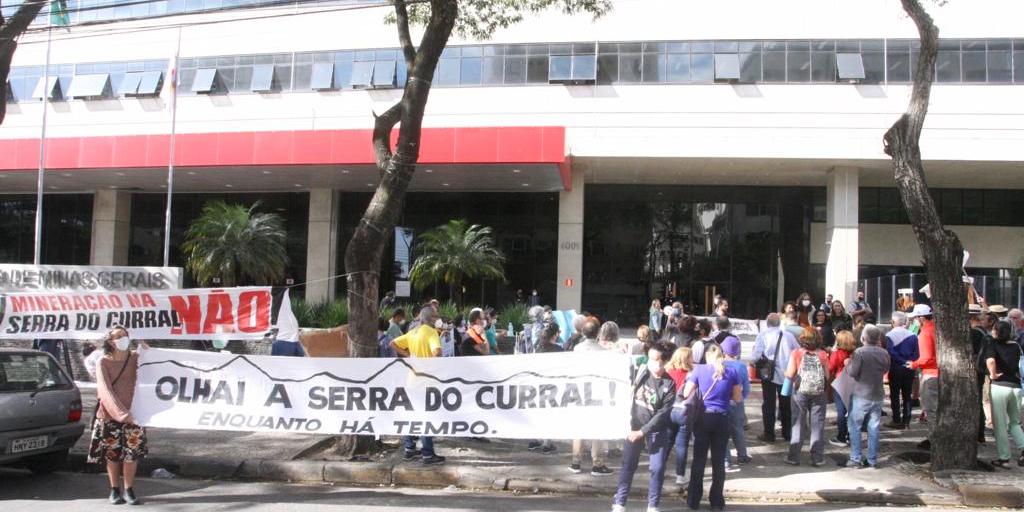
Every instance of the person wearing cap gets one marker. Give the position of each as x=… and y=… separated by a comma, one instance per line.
x=902, y=346
x=979, y=344
x=928, y=365
x=424, y=341
x=998, y=310
x=732, y=349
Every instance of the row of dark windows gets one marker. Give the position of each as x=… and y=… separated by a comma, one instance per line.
x=956, y=207
x=995, y=61
x=91, y=11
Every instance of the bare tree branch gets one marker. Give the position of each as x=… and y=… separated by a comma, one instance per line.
x=382, y=126
x=402, y=19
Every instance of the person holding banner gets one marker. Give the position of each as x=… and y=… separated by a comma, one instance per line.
x=654, y=393
x=116, y=438
x=424, y=341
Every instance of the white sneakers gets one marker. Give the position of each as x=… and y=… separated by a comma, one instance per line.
x=682, y=480
x=622, y=508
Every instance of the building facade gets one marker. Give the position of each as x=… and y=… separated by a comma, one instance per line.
x=670, y=148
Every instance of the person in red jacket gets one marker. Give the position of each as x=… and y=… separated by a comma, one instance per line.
x=928, y=364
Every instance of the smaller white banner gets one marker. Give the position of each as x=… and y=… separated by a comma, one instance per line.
x=547, y=396
x=74, y=278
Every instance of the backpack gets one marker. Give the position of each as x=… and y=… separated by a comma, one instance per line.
x=812, y=374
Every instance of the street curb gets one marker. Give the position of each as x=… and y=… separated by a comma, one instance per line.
x=377, y=474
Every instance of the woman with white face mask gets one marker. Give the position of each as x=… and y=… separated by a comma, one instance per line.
x=116, y=439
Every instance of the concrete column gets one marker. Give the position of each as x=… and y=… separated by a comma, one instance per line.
x=322, y=245
x=842, y=233
x=570, y=245
x=111, y=227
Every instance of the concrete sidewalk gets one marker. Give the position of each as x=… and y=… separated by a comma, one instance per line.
x=507, y=465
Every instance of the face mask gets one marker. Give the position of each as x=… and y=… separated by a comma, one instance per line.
x=438, y=324
x=654, y=367
x=123, y=343
x=219, y=344
x=806, y=303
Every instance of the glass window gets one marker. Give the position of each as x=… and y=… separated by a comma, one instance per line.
x=952, y=207
x=999, y=69
x=1018, y=67
x=130, y=84
x=205, y=81
x=702, y=67
x=850, y=66
x=321, y=76
x=654, y=67
x=515, y=70
x=89, y=86
x=607, y=69
x=874, y=67
x=972, y=209
x=584, y=67
x=947, y=67
x=384, y=74
x=537, y=68
x=471, y=71
x=263, y=78
x=150, y=84
x=493, y=70
x=798, y=66
x=678, y=67
x=750, y=67
x=226, y=76
x=727, y=66
x=560, y=68
x=974, y=66
x=343, y=74
x=630, y=67
x=899, y=64
x=823, y=66
x=774, y=66
x=362, y=74
x=468, y=51
x=494, y=50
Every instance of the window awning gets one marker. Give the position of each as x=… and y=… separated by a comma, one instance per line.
x=205, y=81
x=323, y=76
x=50, y=90
x=362, y=74
x=384, y=74
x=150, y=84
x=130, y=84
x=850, y=66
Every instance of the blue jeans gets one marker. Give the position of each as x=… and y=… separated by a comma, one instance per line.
x=680, y=434
x=841, y=426
x=287, y=348
x=860, y=409
x=427, y=442
x=711, y=432
x=737, y=420
x=658, y=445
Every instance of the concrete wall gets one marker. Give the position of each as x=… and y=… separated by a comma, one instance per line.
x=894, y=244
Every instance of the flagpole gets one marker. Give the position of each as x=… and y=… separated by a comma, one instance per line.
x=38, y=249
x=170, y=157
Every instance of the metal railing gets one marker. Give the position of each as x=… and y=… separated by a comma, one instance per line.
x=882, y=293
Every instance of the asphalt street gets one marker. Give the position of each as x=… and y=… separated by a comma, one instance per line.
x=62, y=492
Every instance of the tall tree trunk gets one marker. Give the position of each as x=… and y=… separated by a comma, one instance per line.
x=10, y=30
x=955, y=431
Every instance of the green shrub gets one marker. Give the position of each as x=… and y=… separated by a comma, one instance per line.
x=320, y=315
x=515, y=313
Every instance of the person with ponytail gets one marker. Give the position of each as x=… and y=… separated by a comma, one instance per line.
x=719, y=387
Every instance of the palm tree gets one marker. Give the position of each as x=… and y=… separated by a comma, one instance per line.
x=236, y=244
x=453, y=252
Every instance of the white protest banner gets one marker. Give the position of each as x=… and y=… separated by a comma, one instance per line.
x=16, y=278
x=550, y=396
x=192, y=314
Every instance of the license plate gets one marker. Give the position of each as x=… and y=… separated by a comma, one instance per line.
x=28, y=444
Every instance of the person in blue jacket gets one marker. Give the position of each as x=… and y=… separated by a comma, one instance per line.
x=902, y=347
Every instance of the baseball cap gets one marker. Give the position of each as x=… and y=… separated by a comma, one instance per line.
x=731, y=346
x=920, y=310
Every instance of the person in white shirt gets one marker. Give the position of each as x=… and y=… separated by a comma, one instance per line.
x=768, y=341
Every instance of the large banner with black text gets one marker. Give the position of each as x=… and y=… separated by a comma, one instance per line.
x=548, y=396
x=191, y=314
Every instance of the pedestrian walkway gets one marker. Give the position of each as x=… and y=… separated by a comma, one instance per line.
x=508, y=465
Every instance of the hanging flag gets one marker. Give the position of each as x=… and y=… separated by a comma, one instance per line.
x=59, y=13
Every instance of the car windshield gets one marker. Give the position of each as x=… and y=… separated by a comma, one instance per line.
x=30, y=372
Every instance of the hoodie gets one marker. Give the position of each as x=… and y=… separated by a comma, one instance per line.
x=926, y=361
x=902, y=347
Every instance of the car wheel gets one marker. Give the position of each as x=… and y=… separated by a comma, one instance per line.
x=47, y=462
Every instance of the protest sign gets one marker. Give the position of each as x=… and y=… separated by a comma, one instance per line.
x=15, y=278
x=551, y=396
x=192, y=314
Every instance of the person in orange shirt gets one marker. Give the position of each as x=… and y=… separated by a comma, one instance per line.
x=928, y=364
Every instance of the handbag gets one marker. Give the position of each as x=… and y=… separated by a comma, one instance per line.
x=766, y=367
